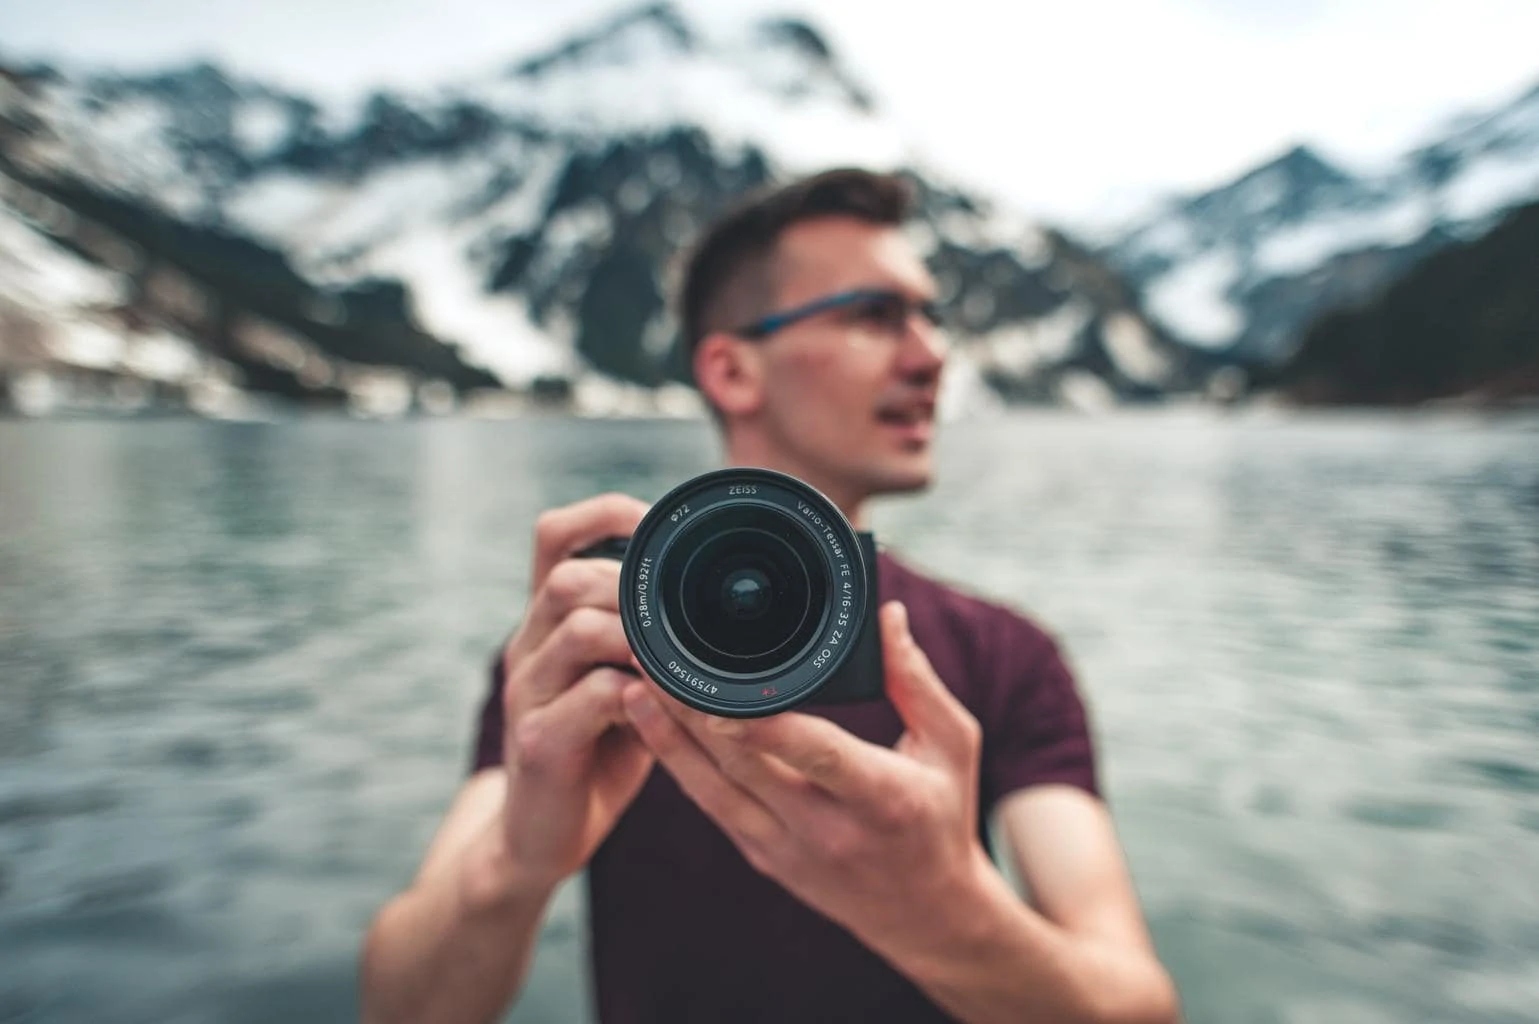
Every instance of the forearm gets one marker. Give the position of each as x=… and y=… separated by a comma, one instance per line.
x=456, y=946
x=993, y=959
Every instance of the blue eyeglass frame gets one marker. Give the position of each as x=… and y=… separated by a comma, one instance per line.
x=766, y=326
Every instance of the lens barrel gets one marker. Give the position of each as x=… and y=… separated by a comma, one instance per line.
x=743, y=591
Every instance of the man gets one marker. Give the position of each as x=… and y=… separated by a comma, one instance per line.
x=824, y=865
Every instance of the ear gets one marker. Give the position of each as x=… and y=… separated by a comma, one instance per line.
x=729, y=373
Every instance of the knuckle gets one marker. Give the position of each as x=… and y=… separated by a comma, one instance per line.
x=608, y=684
x=588, y=627
x=532, y=749
x=901, y=810
x=607, y=681
x=825, y=766
x=621, y=506
x=734, y=763
x=513, y=686
x=547, y=527
x=842, y=844
x=567, y=584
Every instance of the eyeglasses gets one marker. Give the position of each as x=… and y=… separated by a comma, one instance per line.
x=881, y=310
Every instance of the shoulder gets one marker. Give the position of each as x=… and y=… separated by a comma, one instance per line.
x=983, y=619
x=1012, y=676
x=988, y=640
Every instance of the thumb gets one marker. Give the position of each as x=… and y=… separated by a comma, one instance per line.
x=930, y=711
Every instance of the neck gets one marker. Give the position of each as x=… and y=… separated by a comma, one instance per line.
x=741, y=452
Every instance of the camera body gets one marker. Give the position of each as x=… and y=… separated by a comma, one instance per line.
x=745, y=592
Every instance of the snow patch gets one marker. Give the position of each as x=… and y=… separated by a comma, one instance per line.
x=1491, y=186
x=325, y=221
x=87, y=344
x=1192, y=299
x=522, y=208
x=743, y=94
x=260, y=126
x=1021, y=348
x=161, y=355
x=492, y=330
x=40, y=275
x=122, y=144
x=1171, y=237
x=1299, y=249
x=587, y=225
x=280, y=206
x=1264, y=192
x=1131, y=347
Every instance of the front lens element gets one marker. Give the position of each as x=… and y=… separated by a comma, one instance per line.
x=744, y=592
x=749, y=594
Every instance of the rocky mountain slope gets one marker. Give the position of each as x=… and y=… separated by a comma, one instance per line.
x=508, y=234
x=1246, y=268
x=1461, y=326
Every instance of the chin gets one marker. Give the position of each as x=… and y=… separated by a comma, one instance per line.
x=900, y=479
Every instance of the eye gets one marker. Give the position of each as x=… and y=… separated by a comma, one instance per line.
x=887, y=312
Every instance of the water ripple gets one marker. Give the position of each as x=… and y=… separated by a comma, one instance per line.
x=239, y=666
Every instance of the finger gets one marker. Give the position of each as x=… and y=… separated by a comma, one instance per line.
x=559, y=740
x=931, y=713
x=573, y=583
x=559, y=533
x=830, y=758
x=732, y=746
x=584, y=640
x=741, y=815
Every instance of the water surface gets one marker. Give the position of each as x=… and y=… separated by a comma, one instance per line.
x=239, y=665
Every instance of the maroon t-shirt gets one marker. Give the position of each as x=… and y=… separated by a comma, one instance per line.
x=684, y=931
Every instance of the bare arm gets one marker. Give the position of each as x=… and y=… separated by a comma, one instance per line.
x=1080, y=953
x=456, y=945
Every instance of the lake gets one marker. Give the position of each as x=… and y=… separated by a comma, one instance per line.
x=239, y=665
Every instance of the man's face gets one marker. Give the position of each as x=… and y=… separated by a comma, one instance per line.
x=849, y=396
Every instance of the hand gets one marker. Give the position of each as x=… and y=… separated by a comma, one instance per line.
x=879, y=840
x=573, y=763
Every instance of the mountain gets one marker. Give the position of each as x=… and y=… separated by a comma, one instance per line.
x=1463, y=325
x=1246, y=268
x=511, y=230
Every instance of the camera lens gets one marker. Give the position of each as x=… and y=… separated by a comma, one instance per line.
x=744, y=591
x=744, y=599
x=746, y=594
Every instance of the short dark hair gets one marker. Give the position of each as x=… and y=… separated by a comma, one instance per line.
x=726, y=277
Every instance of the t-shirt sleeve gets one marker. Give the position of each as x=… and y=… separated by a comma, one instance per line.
x=1038, y=730
x=489, y=726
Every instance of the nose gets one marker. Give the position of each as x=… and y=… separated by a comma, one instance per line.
x=923, y=349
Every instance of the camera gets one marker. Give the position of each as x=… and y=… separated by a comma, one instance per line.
x=745, y=592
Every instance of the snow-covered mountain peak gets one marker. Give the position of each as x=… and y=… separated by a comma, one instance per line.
x=522, y=220
x=654, y=29
x=1248, y=265
x=776, y=84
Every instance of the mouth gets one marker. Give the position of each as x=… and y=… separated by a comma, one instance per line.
x=913, y=420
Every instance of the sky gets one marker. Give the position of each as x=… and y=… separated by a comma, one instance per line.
x=1078, y=111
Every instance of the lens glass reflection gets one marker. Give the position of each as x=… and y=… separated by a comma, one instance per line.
x=748, y=592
